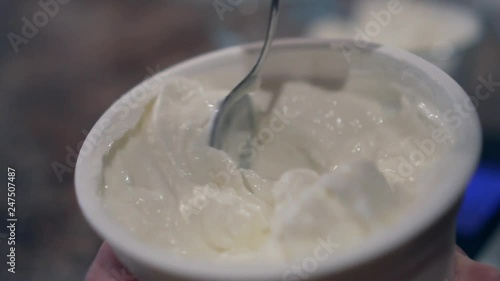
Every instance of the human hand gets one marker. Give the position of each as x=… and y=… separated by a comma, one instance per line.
x=467, y=269
x=106, y=267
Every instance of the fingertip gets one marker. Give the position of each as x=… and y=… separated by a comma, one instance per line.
x=460, y=251
x=467, y=269
x=485, y=273
x=103, y=265
x=107, y=256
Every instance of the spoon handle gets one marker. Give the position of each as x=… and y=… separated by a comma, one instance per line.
x=271, y=32
x=248, y=84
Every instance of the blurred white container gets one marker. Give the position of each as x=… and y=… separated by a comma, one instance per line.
x=419, y=248
x=441, y=33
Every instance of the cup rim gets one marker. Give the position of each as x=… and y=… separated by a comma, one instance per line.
x=452, y=187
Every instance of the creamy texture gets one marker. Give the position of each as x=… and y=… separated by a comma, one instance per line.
x=326, y=167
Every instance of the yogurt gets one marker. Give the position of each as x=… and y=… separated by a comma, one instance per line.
x=326, y=166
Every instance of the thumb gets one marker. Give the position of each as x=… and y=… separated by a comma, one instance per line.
x=106, y=267
x=467, y=269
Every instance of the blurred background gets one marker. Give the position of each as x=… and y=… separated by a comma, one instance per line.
x=63, y=62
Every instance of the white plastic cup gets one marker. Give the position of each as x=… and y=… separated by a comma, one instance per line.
x=419, y=248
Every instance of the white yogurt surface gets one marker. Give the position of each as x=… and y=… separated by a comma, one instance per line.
x=327, y=167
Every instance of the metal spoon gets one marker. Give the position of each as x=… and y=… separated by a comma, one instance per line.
x=238, y=102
